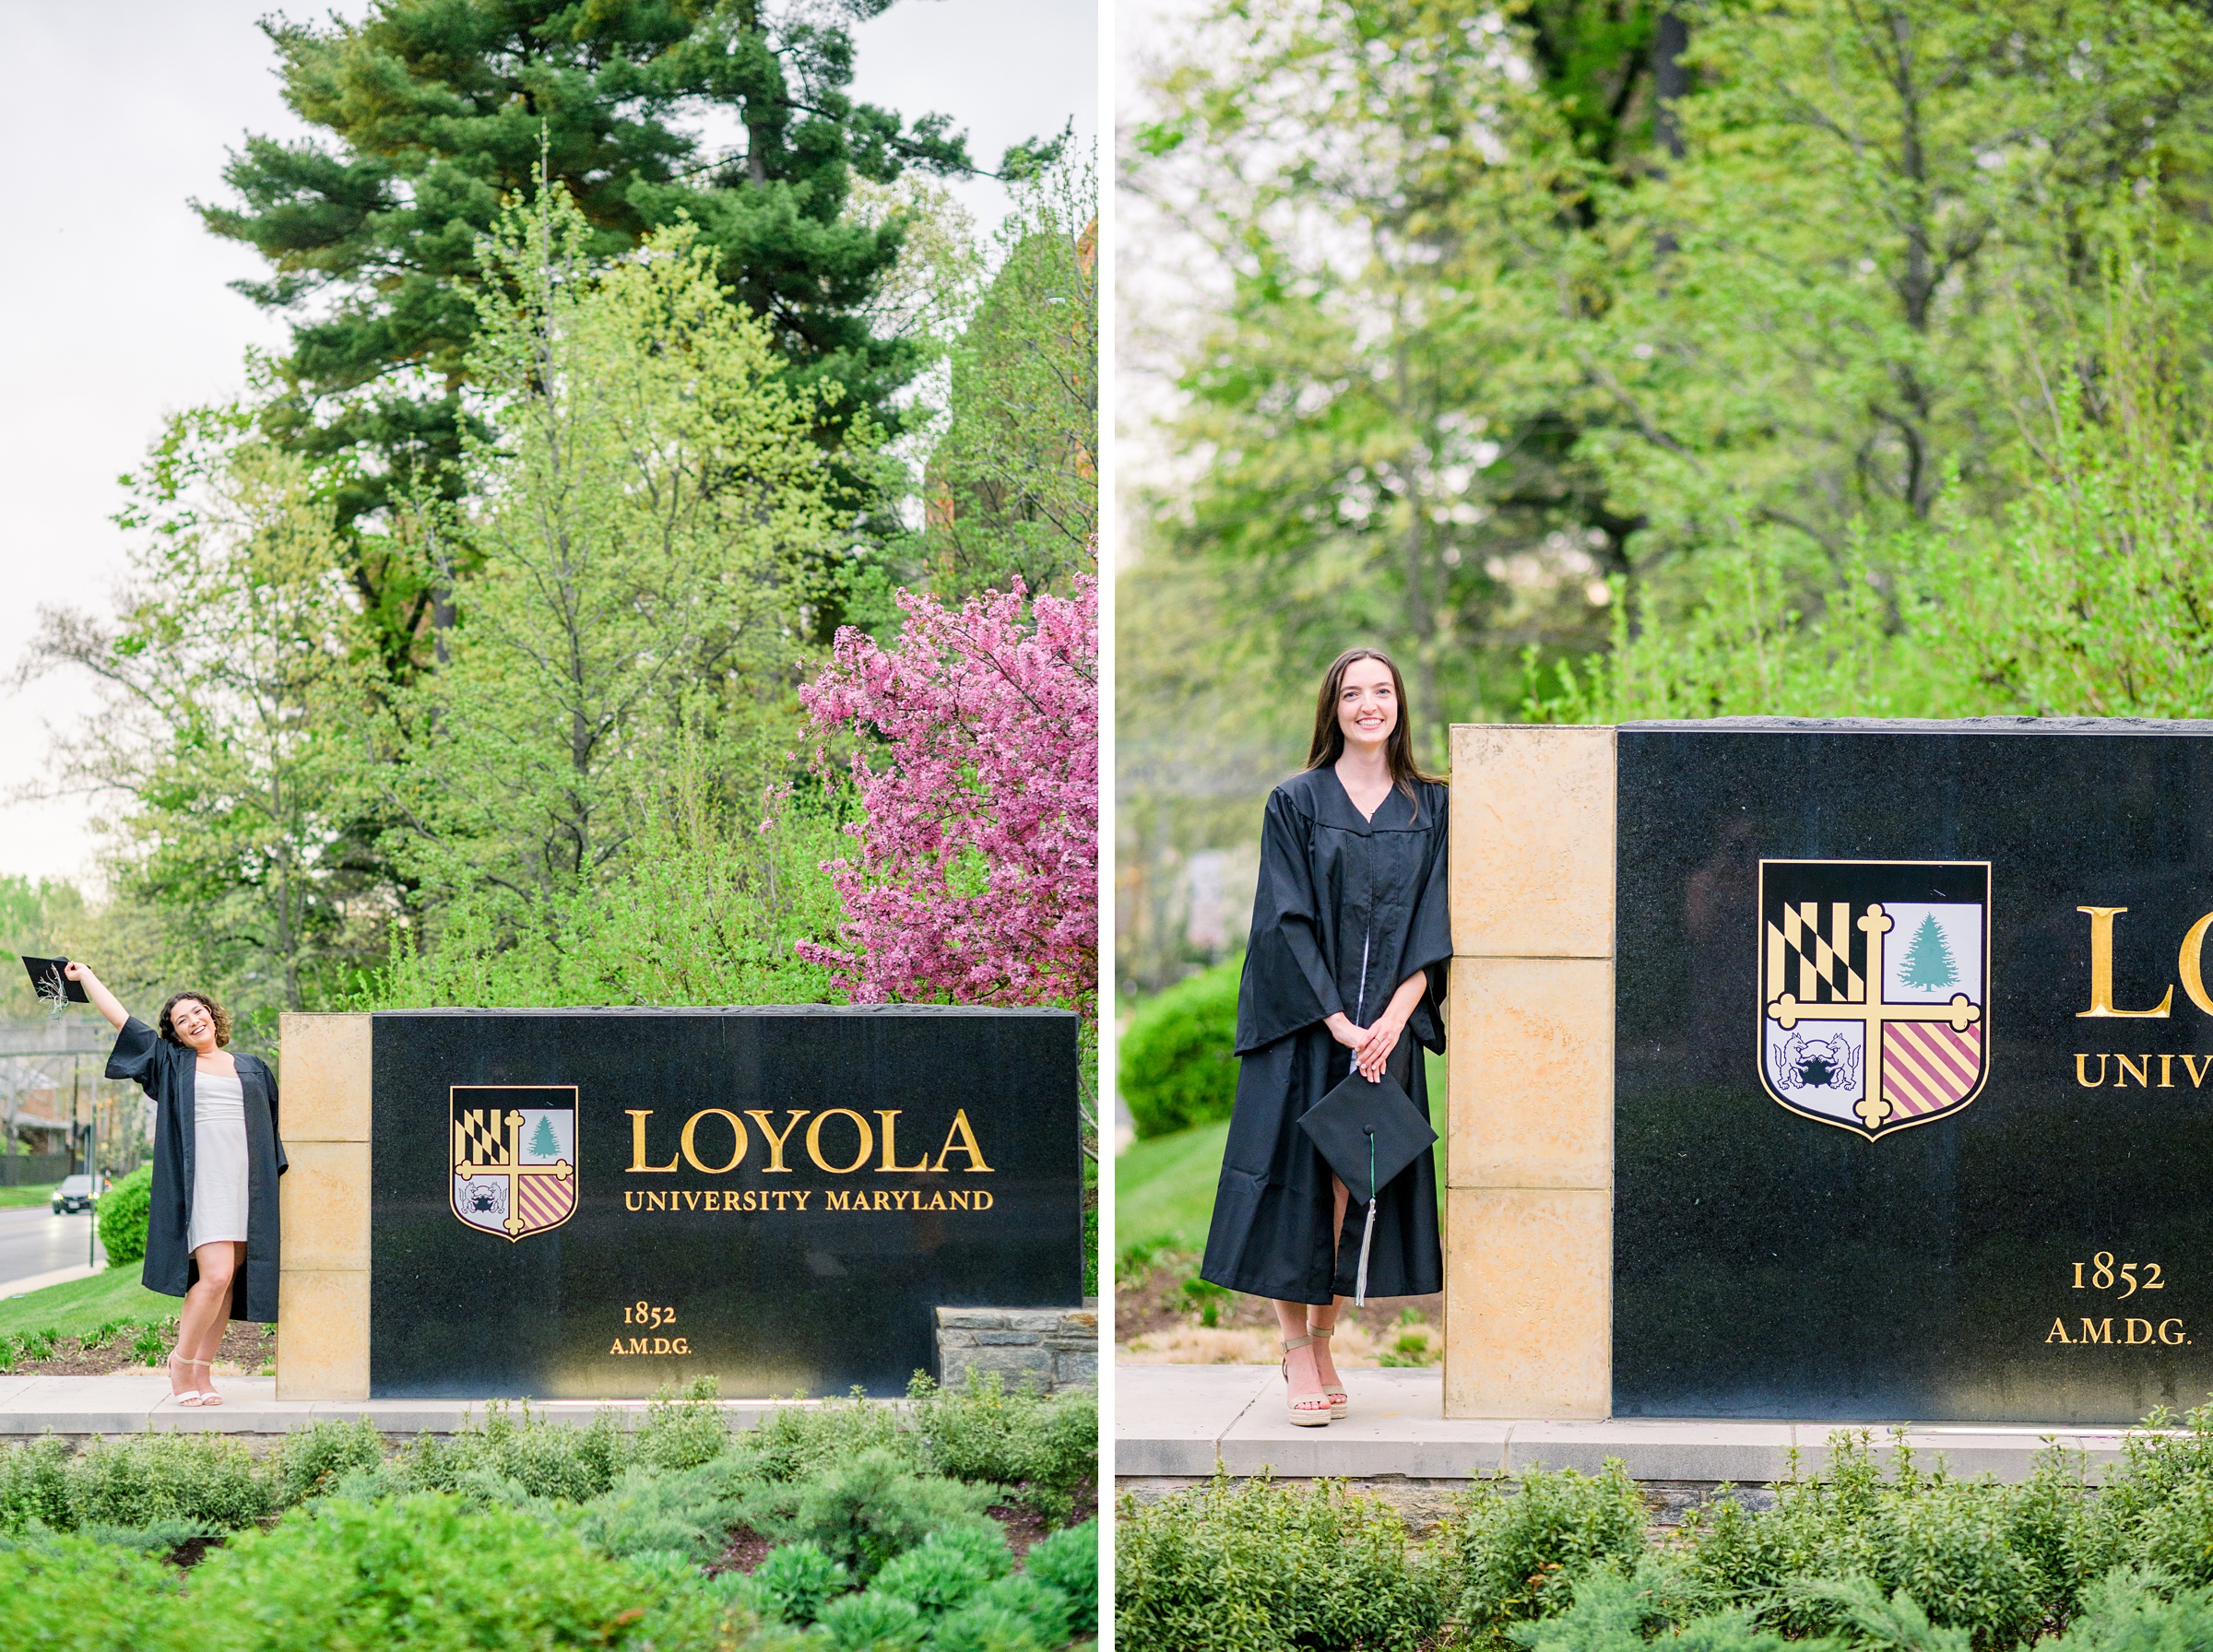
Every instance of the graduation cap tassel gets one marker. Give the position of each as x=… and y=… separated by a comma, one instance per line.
x=1368, y=1235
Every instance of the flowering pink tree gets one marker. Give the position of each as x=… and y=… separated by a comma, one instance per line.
x=978, y=873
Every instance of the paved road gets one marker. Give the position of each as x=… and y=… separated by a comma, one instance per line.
x=37, y=1241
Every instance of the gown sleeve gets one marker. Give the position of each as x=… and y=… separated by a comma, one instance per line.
x=1286, y=985
x=268, y=1082
x=1429, y=930
x=133, y=1057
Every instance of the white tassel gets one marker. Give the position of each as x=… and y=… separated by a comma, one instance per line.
x=1366, y=1238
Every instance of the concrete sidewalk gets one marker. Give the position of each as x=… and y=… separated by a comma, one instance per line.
x=1178, y=1422
x=130, y=1403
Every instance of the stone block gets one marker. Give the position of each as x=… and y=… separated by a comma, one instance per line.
x=1528, y=1308
x=972, y=1318
x=1531, y=1076
x=323, y=1335
x=1533, y=841
x=1008, y=1339
x=323, y=1079
x=323, y=1202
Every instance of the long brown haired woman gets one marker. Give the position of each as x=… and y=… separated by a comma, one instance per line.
x=1351, y=939
x=211, y=1228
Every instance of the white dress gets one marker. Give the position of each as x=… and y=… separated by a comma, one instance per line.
x=219, y=1171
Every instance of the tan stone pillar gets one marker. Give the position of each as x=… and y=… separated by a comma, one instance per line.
x=1529, y=1201
x=323, y=1289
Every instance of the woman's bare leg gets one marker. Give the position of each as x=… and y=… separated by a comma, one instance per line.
x=1291, y=1321
x=208, y=1305
x=1325, y=1318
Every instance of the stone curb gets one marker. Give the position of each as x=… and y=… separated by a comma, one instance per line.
x=1181, y=1422
x=130, y=1404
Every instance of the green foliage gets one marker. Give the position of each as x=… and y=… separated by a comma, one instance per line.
x=865, y=1511
x=313, y=1460
x=1237, y=1565
x=124, y=1212
x=1046, y=1445
x=1012, y=483
x=1512, y=1557
x=986, y=1627
x=871, y=1622
x=935, y=1577
x=140, y=1479
x=1034, y=1602
x=1069, y=1560
x=79, y=1595
x=1176, y=1064
x=426, y=1571
x=34, y=1485
x=793, y=1580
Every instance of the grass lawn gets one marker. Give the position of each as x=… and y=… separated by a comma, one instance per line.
x=84, y=1305
x=37, y=1193
x=1164, y=1189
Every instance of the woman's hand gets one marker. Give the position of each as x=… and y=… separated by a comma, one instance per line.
x=1370, y=1053
x=1341, y=1029
x=1373, y=1051
x=96, y=989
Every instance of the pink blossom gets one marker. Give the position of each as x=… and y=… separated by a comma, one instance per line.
x=978, y=873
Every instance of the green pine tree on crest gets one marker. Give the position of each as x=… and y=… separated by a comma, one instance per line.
x=1928, y=959
x=542, y=1143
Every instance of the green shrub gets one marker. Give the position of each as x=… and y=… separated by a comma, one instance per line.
x=683, y=1432
x=1069, y=1560
x=1045, y=1609
x=688, y=1511
x=74, y=1594
x=797, y=1441
x=1246, y=1564
x=1176, y=1067
x=871, y=1622
x=427, y=1573
x=936, y=1577
x=313, y=1460
x=865, y=1512
x=985, y=1627
x=124, y=1212
x=794, y=1580
x=507, y=1456
x=1507, y=1553
x=1046, y=1445
x=140, y=1479
x=34, y=1485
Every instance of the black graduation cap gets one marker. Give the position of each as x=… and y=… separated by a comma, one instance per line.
x=51, y=985
x=1368, y=1132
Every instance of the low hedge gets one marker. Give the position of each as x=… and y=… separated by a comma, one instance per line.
x=1176, y=1067
x=1906, y=1557
x=525, y=1534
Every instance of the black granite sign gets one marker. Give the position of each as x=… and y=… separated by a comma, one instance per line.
x=596, y=1203
x=1914, y=1071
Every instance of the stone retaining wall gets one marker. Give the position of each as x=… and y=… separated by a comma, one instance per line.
x=1054, y=1348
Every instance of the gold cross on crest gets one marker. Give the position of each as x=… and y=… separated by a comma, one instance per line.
x=475, y=1131
x=1873, y=1013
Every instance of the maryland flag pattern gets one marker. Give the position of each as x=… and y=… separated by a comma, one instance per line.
x=514, y=1158
x=1874, y=989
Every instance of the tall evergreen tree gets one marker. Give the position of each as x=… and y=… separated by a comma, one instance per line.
x=1928, y=961
x=437, y=111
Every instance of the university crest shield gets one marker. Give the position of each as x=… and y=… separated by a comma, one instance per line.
x=514, y=1158
x=1874, y=990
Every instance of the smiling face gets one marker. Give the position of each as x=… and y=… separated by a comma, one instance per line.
x=194, y=1023
x=1367, y=705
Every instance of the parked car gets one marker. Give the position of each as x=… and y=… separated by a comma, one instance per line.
x=74, y=1194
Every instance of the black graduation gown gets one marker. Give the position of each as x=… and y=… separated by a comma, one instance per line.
x=1346, y=909
x=164, y=1070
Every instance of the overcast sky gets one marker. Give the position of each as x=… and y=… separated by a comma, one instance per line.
x=118, y=311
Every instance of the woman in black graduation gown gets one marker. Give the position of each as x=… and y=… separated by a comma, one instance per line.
x=1351, y=939
x=212, y=1231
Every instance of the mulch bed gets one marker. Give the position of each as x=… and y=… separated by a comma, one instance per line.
x=1158, y=1303
x=244, y=1346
